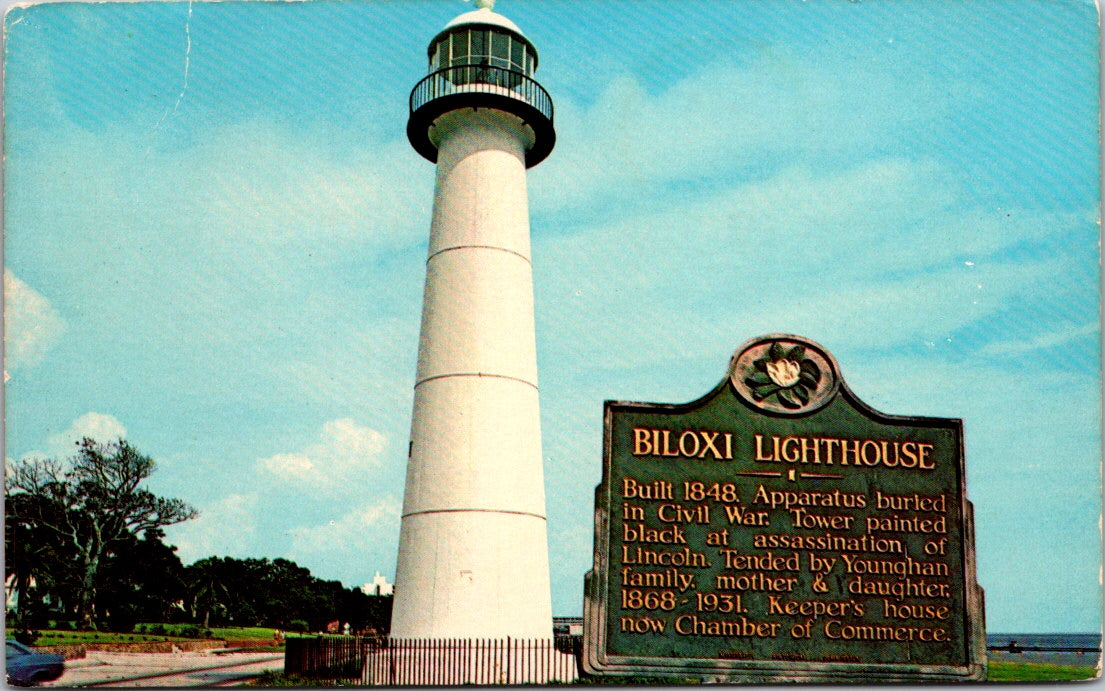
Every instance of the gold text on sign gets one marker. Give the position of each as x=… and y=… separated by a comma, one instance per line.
x=698, y=443
x=844, y=452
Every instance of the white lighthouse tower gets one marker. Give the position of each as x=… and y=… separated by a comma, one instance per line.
x=473, y=551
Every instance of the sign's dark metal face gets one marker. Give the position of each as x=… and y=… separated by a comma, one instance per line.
x=780, y=529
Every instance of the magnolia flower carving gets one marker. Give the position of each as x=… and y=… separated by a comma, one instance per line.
x=788, y=375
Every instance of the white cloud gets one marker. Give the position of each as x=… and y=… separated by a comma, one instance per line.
x=226, y=527
x=344, y=452
x=32, y=326
x=99, y=426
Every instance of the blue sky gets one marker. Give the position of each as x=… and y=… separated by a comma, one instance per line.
x=215, y=237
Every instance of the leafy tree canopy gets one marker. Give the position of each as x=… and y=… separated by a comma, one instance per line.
x=84, y=541
x=87, y=506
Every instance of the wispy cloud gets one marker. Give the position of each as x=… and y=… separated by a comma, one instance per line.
x=725, y=117
x=358, y=530
x=225, y=527
x=876, y=249
x=1044, y=341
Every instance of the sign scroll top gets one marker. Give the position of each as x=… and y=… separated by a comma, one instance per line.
x=779, y=529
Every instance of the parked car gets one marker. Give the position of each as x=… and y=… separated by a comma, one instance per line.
x=25, y=667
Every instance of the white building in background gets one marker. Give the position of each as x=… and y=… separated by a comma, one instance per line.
x=378, y=586
x=11, y=597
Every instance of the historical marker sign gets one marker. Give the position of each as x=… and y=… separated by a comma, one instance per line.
x=780, y=529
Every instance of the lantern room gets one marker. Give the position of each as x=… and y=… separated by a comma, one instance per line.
x=481, y=59
x=472, y=39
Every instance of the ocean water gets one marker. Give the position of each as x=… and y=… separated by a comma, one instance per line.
x=1046, y=640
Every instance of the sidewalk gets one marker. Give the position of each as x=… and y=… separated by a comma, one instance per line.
x=99, y=668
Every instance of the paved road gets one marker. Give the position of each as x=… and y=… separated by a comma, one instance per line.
x=166, y=669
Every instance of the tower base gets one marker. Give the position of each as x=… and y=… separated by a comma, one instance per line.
x=492, y=595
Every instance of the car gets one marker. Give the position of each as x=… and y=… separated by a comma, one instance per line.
x=25, y=667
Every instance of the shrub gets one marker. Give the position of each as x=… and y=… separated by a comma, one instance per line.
x=157, y=630
x=122, y=619
x=26, y=636
x=189, y=631
x=298, y=625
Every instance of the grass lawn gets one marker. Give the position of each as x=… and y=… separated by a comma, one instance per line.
x=48, y=637
x=236, y=633
x=274, y=678
x=1027, y=671
x=243, y=633
x=172, y=633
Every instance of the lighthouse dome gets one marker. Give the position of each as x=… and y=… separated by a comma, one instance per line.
x=485, y=16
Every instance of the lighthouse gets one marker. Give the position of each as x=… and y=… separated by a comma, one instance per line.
x=473, y=549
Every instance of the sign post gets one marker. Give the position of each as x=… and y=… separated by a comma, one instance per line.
x=779, y=529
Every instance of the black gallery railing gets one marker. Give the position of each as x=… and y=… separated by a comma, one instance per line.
x=481, y=79
x=434, y=662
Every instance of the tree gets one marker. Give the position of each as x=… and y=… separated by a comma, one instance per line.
x=140, y=580
x=30, y=564
x=38, y=562
x=378, y=613
x=279, y=593
x=91, y=502
x=207, y=590
x=289, y=593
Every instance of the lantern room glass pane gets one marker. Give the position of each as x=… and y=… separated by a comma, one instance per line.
x=479, y=39
x=500, y=46
x=516, y=52
x=440, y=58
x=459, y=43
